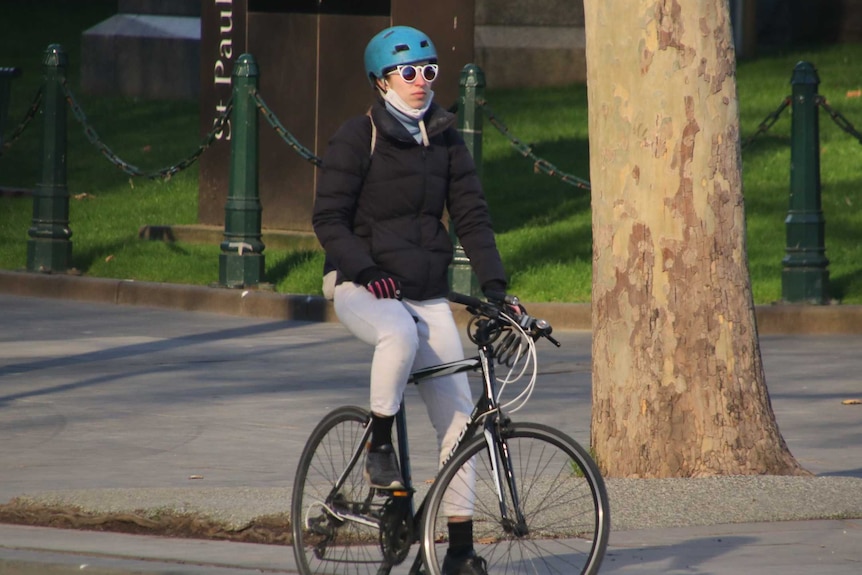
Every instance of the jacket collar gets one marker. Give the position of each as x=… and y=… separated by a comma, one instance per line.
x=437, y=120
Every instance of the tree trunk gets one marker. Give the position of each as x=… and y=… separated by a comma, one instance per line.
x=678, y=383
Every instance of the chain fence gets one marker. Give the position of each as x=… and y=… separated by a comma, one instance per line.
x=839, y=119
x=768, y=122
x=283, y=132
x=28, y=117
x=163, y=174
x=540, y=165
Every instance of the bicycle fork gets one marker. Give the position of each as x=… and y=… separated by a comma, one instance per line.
x=504, y=482
x=499, y=455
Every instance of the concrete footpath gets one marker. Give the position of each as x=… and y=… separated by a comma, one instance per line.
x=140, y=412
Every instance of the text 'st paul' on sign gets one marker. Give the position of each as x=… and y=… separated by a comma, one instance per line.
x=310, y=57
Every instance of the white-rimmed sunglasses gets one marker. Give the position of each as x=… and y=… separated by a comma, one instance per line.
x=409, y=72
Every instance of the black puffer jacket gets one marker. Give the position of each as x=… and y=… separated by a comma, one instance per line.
x=385, y=211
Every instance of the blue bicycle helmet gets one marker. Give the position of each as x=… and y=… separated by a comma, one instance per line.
x=395, y=46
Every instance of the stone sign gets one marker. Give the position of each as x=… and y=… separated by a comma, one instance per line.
x=310, y=56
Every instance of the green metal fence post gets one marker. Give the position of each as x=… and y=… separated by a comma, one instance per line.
x=241, y=263
x=805, y=277
x=472, y=90
x=49, y=248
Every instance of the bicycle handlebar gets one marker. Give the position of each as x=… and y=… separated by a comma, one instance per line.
x=498, y=302
x=466, y=300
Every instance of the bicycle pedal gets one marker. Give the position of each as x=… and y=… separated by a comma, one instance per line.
x=394, y=493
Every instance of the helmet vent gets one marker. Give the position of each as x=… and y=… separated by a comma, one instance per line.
x=424, y=43
x=401, y=48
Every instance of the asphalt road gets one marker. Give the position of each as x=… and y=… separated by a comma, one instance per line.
x=122, y=409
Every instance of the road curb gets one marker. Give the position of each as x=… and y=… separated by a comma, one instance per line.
x=249, y=303
x=771, y=319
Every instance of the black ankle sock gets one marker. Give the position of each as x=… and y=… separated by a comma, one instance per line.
x=460, y=538
x=381, y=430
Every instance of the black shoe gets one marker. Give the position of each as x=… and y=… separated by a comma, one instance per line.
x=466, y=564
x=381, y=468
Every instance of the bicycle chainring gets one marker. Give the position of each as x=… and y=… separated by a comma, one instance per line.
x=396, y=529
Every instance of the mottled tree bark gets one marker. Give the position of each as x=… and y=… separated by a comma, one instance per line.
x=678, y=383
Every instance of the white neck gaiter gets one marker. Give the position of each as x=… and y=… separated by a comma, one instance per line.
x=399, y=104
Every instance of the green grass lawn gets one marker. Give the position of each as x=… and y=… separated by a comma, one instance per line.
x=543, y=224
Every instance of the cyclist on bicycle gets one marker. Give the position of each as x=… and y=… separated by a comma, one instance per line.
x=386, y=180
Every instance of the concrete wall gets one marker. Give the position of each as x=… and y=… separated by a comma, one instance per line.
x=530, y=42
x=517, y=42
x=149, y=49
x=541, y=42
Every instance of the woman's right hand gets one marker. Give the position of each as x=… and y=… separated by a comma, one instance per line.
x=385, y=288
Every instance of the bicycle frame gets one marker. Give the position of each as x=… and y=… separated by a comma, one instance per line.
x=486, y=413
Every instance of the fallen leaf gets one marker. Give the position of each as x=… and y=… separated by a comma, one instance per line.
x=196, y=476
x=109, y=258
x=83, y=196
x=146, y=148
x=852, y=402
x=854, y=93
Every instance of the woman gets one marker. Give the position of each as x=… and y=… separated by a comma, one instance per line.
x=387, y=179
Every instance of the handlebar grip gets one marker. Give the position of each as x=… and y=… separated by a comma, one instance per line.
x=467, y=300
x=496, y=296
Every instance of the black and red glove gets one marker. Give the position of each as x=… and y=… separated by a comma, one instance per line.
x=381, y=284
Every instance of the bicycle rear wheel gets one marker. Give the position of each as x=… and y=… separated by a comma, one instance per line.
x=563, y=505
x=323, y=540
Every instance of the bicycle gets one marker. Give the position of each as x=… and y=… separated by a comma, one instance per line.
x=540, y=504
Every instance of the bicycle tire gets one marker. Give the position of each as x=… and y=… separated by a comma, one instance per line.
x=562, y=495
x=321, y=543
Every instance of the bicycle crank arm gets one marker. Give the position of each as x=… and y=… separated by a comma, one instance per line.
x=351, y=517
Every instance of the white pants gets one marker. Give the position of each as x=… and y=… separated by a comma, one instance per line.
x=409, y=335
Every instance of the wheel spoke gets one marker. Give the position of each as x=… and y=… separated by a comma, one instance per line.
x=559, y=501
x=324, y=543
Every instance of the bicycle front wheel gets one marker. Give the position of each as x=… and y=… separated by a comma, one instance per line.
x=325, y=540
x=560, y=524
